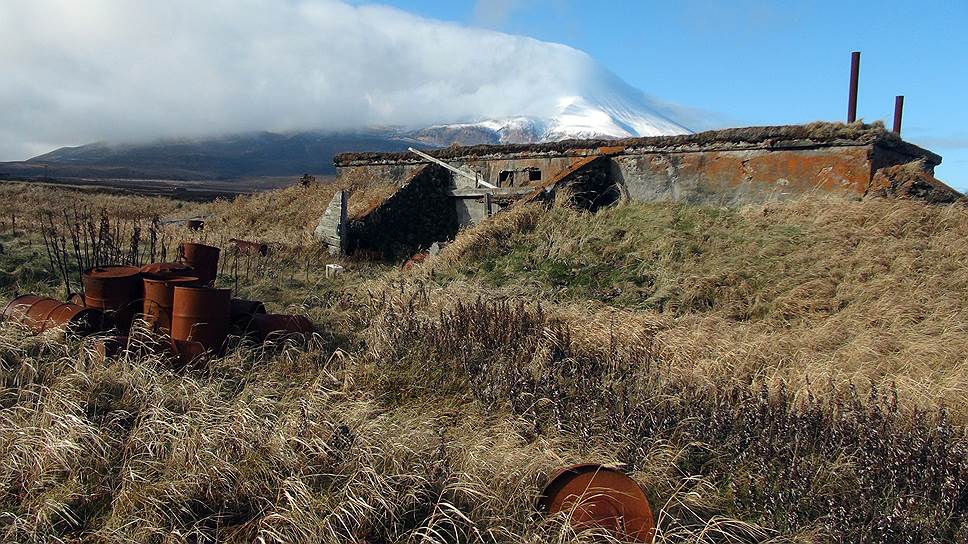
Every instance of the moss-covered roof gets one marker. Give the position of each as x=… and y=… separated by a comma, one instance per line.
x=819, y=133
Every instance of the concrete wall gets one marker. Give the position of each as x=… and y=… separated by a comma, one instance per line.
x=741, y=176
x=715, y=174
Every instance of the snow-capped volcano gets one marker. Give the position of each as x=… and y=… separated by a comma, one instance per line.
x=607, y=108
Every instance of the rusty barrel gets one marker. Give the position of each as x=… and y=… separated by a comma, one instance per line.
x=114, y=289
x=200, y=320
x=159, y=299
x=203, y=259
x=42, y=313
x=598, y=497
x=166, y=270
x=246, y=247
x=265, y=326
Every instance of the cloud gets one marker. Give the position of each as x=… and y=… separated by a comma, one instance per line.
x=119, y=70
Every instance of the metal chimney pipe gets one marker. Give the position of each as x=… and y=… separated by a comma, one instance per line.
x=898, y=110
x=854, y=73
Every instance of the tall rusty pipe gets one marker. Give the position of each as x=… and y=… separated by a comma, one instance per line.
x=898, y=110
x=854, y=75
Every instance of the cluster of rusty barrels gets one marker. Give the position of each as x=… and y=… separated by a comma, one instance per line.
x=175, y=299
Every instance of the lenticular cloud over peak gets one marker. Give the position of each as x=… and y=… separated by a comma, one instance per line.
x=114, y=70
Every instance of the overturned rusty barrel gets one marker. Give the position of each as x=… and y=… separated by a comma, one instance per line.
x=200, y=320
x=159, y=299
x=245, y=247
x=116, y=290
x=598, y=497
x=203, y=259
x=166, y=270
x=41, y=313
x=274, y=326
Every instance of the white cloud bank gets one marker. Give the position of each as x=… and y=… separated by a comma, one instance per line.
x=119, y=70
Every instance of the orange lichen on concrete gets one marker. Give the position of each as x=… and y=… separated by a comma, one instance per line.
x=841, y=169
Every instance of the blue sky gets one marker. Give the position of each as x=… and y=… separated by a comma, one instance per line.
x=747, y=62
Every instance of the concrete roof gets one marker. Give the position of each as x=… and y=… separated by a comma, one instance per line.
x=817, y=134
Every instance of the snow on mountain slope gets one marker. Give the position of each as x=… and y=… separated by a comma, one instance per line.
x=606, y=108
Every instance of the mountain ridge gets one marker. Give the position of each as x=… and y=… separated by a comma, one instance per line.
x=612, y=114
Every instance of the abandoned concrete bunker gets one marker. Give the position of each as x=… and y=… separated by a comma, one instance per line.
x=438, y=191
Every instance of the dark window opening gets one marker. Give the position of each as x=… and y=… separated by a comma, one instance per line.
x=534, y=175
x=505, y=176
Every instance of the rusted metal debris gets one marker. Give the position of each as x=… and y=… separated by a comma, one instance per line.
x=200, y=321
x=245, y=247
x=415, y=260
x=898, y=112
x=171, y=298
x=166, y=270
x=595, y=496
x=40, y=314
x=854, y=77
x=195, y=224
x=159, y=300
x=203, y=259
x=115, y=290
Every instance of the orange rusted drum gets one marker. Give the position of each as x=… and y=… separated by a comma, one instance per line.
x=245, y=247
x=166, y=270
x=114, y=289
x=203, y=259
x=264, y=326
x=599, y=497
x=159, y=299
x=42, y=313
x=200, y=320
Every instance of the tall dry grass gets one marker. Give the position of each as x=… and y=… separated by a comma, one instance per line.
x=773, y=373
x=809, y=291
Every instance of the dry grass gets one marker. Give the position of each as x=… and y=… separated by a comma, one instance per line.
x=807, y=292
x=730, y=371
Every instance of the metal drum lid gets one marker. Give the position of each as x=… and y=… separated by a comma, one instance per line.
x=599, y=497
